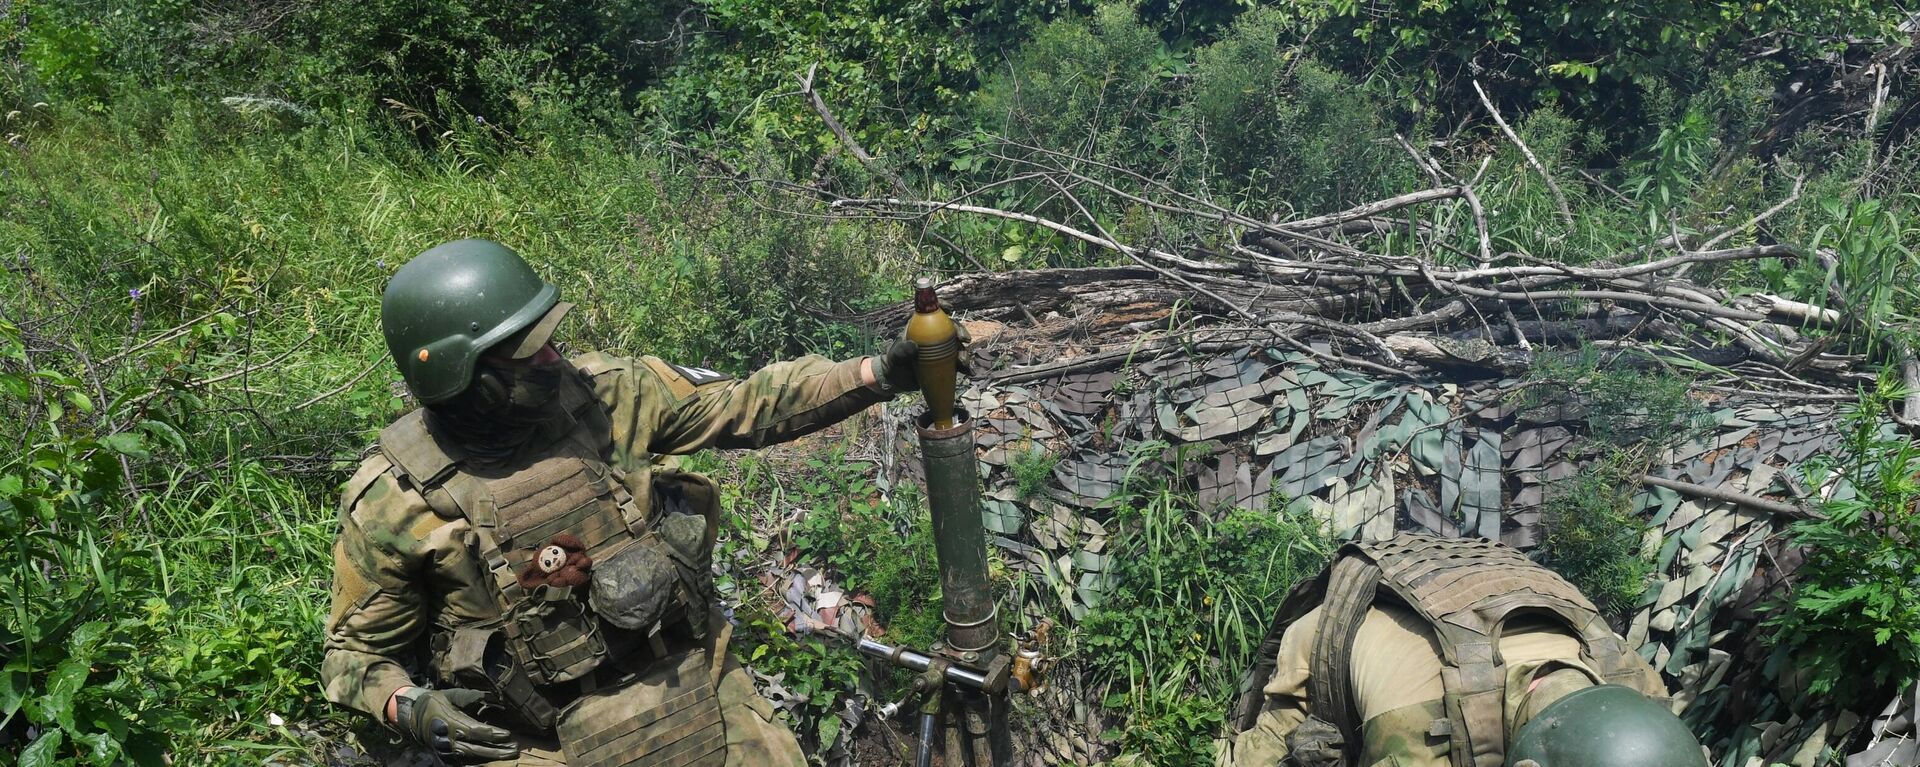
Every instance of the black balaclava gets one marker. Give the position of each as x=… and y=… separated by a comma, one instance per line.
x=505, y=406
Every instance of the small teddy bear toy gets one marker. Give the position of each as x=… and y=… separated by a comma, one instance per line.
x=561, y=563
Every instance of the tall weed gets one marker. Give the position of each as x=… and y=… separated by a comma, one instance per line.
x=1191, y=599
x=1851, y=627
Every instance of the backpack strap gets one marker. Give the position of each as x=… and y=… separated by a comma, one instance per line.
x=1302, y=599
x=1351, y=586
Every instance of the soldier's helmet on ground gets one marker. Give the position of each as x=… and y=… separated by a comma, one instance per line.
x=1606, y=726
x=452, y=303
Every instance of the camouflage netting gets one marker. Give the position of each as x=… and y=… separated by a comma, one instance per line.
x=1367, y=366
x=1237, y=422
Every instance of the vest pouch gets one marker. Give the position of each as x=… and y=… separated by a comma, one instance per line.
x=553, y=637
x=681, y=493
x=636, y=586
x=475, y=657
x=668, y=717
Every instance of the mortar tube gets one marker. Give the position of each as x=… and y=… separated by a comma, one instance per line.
x=960, y=545
x=960, y=538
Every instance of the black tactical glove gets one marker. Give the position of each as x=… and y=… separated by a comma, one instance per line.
x=438, y=719
x=894, y=368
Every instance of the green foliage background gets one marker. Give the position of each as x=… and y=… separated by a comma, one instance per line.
x=200, y=202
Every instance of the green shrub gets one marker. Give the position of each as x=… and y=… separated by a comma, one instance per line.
x=1596, y=55
x=1031, y=469
x=1851, y=627
x=448, y=56
x=1622, y=408
x=1090, y=86
x=77, y=666
x=1590, y=535
x=1592, y=538
x=1291, y=131
x=1191, y=598
x=857, y=534
x=818, y=672
x=891, y=72
x=63, y=51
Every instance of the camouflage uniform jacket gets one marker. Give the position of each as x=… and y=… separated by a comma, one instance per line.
x=401, y=571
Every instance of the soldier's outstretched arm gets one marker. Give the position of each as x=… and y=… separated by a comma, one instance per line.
x=659, y=407
x=376, y=615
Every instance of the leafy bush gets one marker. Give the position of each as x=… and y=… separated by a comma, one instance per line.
x=1191, y=599
x=1622, y=408
x=1595, y=54
x=1590, y=535
x=74, y=683
x=816, y=672
x=1593, y=539
x=1286, y=129
x=451, y=56
x=857, y=533
x=1090, y=86
x=890, y=71
x=1852, y=624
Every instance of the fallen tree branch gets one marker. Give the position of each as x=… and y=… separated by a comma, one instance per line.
x=1559, y=199
x=1370, y=210
x=342, y=387
x=1305, y=282
x=1790, y=511
x=873, y=166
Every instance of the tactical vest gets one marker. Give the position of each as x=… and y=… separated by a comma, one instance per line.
x=649, y=598
x=1466, y=590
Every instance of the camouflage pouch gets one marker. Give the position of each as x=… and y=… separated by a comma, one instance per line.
x=636, y=586
x=475, y=657
x=553, y=636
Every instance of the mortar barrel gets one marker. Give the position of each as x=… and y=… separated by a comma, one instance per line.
x=960, y=538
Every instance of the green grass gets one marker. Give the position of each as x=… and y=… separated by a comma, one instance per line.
x=1192, y=599
x=266, y=247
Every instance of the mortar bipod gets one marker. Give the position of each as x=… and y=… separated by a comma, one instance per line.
x=940, y=675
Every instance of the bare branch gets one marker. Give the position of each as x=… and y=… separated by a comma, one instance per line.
x=1559, y=199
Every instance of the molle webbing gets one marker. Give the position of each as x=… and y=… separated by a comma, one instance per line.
x=1465, y=590
x=418, y=459
x=631, y=727
x=1350, y=589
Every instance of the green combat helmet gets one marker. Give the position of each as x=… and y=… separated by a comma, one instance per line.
x=453, y=302
x=1605, y=726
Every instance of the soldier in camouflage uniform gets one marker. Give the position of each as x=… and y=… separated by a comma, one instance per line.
x=517, y=581
x=1429, y=652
